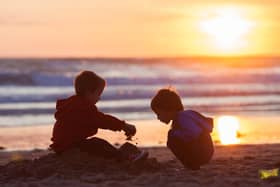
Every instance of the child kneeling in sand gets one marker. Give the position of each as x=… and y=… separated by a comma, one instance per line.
x=77, y=119
x=189, y=137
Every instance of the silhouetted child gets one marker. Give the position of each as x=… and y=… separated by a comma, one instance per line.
x=77, y=119
x=189, y=137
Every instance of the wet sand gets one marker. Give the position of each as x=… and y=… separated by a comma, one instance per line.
x=253, y=130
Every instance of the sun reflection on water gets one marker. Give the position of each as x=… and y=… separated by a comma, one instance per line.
x=228, y=127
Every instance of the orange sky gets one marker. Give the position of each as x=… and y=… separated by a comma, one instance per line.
x=136, y=28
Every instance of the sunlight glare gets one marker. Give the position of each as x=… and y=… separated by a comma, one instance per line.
x=228, y=128
x=227, y=28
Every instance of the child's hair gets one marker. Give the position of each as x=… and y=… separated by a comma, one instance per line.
x=168, y=100
x=88, y=81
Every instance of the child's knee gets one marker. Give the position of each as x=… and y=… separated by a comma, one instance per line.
x=170, y=143
x=173, y=142
x=128, y=147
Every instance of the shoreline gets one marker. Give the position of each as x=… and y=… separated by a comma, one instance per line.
x=253, y=130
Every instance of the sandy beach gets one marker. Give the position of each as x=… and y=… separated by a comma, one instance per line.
x=231, y=166
x=67, y=62
x=25, y=160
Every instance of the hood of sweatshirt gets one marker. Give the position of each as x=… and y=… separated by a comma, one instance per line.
x=66, y=107
x=190, y=117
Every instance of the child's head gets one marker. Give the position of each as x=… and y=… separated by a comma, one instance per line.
x=166, y=103
x=89, y=85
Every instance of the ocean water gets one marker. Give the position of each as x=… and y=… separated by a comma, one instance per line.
x=29, y=88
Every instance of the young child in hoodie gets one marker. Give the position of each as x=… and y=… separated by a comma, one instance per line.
x=78, y=119
x=189, y=136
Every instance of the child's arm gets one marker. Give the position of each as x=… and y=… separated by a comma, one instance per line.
x=106, y=121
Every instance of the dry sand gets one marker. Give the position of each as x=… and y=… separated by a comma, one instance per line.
x=231, y=166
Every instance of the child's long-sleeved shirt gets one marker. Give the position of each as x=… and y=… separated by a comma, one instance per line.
x=189, y=124
x=77, y=120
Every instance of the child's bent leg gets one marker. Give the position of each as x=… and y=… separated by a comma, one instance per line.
x=183, y=153
x=175, y=146
x=99, y=147
x=207, y=148
x=128, y=148
x=129, y=151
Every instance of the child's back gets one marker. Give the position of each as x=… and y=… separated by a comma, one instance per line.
x=190, y=139
x=77, y=119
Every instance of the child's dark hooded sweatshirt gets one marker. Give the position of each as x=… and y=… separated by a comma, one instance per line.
x=189, y=138
x=77, y=120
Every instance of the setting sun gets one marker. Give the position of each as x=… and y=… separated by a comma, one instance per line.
x=228, y=128
x=227, y=28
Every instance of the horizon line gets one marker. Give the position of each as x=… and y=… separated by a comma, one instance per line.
x=135, y=58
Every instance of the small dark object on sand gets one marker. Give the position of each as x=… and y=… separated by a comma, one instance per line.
x=2, y=148
x=129, y=138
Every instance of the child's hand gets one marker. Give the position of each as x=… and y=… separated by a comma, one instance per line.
x=129, y=130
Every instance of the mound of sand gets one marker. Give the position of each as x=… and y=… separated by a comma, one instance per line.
x=231, y=166
x=75, y=164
